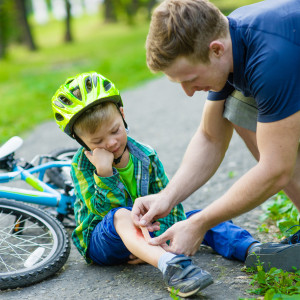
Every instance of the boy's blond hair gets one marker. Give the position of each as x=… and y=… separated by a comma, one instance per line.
x=183, y=28
x=92, y=118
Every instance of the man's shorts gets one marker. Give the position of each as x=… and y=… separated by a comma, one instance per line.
x=241, y=110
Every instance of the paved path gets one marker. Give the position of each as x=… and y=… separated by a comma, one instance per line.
x=159, y=114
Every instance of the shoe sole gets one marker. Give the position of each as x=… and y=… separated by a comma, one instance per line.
x=208, y=281
x=285, y=259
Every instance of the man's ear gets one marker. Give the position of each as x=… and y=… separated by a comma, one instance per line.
x=217, y=48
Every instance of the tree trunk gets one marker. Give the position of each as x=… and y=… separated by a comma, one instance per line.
x=110, y=15
x=2, y=32
x=27, y=37
x=68, y=36
x=150, y=6
x=131, y=10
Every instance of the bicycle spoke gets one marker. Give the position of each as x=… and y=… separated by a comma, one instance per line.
x=27, y=246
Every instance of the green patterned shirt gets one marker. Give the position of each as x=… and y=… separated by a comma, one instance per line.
x=96, y=196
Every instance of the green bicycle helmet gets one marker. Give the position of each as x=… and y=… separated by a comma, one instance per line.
x=80, y=93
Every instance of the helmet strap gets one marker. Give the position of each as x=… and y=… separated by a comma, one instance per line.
x=117, y=160
x=125, y=124
x=80, y=141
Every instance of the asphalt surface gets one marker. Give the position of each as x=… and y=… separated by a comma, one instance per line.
x=161, y=115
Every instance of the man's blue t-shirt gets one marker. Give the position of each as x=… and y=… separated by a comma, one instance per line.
x=266, y=57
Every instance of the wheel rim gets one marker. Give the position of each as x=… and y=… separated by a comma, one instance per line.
x=34, y=244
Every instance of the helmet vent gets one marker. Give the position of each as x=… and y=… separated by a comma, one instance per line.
x=95, y=80
x=76, y=92
x=107, y=85
x=69, y=81
x=59, y=104
x=65, y=100
x=88, y=84
x=59, y=117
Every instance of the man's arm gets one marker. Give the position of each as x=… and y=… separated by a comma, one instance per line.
x=201, y=160
x=278, y=146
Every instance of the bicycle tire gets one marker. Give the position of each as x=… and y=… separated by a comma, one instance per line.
x=61, y=176
x=33, y=245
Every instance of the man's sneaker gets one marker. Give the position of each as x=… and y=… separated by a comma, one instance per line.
x=278, y=255
x=293, y=239
x=181, y=274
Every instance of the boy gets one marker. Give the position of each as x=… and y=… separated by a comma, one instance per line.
x=109, y=172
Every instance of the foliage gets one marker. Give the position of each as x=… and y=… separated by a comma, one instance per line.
x=128, y=10
x=11, y=31
x=282, y=211
x=231, y=174
x=28, y=80
x=174, y=293
x=274, y=284
x=227, y=6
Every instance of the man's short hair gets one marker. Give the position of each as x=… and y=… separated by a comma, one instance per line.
x=92, y=118
x=183, y=28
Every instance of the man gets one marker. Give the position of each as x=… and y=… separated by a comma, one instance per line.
x=254, y=51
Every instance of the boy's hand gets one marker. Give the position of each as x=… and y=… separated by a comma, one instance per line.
x=133, y=260
x=102, y=160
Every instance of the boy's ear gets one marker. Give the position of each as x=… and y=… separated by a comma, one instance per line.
x=122, y=112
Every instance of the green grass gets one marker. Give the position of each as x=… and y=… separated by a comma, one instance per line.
x=29, y=79
x=227, y=6
x=274, y=284
x=281, y=213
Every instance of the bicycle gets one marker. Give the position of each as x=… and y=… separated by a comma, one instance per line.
x=33, y=244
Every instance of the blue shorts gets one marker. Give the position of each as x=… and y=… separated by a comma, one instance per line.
x=107, y=248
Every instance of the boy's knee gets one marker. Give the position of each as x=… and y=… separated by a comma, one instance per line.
x=122, y=214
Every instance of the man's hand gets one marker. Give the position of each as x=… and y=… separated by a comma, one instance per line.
x=148, y=209
x=185, y=238
x=102, y=160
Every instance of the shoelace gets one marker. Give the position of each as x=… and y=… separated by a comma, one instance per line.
x=293, y=239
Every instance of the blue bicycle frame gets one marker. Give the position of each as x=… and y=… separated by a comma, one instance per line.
x=44, y=194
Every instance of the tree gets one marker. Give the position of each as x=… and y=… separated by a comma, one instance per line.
x=131, y=8
x=126, y=9
x=150, y=5
x=2, y=30
x=26, y=35
x=68, y=36
x=110, y=14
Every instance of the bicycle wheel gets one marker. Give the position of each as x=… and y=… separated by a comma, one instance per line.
x=33, y=245
x=61, y=176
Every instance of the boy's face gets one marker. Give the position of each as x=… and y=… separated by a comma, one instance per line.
x=110, y=136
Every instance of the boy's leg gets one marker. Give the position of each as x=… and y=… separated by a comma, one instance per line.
x=117, y=236
x=134, y=240
x=178, y=270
